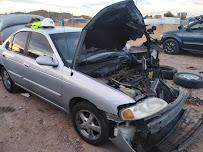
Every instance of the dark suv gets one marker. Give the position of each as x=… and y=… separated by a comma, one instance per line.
x=189, y=38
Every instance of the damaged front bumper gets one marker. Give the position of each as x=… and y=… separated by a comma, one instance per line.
x=169, y=131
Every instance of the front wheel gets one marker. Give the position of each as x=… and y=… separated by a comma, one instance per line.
x=90, y=123
x=7, y=81
x=171, y=46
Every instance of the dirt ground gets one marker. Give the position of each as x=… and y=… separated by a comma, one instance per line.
x=31, y=125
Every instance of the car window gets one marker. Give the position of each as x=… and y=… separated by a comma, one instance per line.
x=66, y=44
x=9, y=44
x=197, y=26
x=19, y=42
x=38, y=46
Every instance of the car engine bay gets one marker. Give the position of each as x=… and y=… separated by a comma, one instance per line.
x=130, y=75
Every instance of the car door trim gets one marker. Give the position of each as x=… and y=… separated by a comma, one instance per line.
x=44, y=73
x=13, y=73
x=64, y=109
x=43, y=87
x=192, y=43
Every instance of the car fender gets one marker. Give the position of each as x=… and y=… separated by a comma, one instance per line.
x=177, y=37
x=99, y=94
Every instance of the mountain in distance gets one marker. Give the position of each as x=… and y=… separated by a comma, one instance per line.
x=56, y=16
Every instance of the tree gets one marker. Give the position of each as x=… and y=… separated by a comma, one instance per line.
x=168, y=14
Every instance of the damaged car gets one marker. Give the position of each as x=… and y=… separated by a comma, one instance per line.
x=111, y=92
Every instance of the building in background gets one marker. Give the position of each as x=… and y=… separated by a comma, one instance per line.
x=157, y=16
x=162, y=21
x=76, y=20
x=182, y=15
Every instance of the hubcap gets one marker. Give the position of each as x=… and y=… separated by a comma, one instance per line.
x=170, y=46
x=6, y=79
x=88, y=124
x=189, y=76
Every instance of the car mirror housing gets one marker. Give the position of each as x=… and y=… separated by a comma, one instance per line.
x=47, y=61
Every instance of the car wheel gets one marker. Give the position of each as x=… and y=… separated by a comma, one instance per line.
x=171, y=46
x=168, y=72
x=90, y=123
x=7, y=81
x=188, y=80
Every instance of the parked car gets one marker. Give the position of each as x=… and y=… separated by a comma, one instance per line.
x=188, y=38
x=13, y=22
x=107, y=90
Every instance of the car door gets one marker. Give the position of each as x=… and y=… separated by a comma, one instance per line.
x=193, y=37
x=13, y=57
x=45, y=81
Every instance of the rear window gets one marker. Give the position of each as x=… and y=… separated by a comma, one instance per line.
x=19, y=42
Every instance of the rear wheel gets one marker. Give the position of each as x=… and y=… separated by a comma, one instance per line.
x=171, y=46
x=90, y=123
x=7, y=81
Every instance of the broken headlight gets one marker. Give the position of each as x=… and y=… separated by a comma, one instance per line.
x=143, y=109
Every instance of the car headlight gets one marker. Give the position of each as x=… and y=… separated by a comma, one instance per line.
x=143, y=109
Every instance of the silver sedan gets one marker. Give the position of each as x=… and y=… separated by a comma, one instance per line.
x=110, y=92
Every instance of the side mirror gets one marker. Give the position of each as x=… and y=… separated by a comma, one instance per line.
x=47, y=60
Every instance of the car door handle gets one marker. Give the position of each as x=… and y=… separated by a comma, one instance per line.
x=26, y=65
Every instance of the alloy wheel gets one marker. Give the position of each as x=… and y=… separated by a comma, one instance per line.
x=170, y=46
x=189, y=76
x=6, y=79
x=88, y=124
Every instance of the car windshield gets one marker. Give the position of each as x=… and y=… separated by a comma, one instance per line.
x=66, y=44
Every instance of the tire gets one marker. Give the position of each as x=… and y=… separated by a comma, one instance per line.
x=85, y=117
x=8, y=82
x=188, y=80
x=168, y=72
x=171, y=46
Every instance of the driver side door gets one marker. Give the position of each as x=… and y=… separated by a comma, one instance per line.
x=193, y=37
x=45, y=81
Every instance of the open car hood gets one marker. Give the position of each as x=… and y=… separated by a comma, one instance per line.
x=111, y=28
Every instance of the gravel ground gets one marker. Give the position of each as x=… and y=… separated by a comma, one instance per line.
x=31, y=125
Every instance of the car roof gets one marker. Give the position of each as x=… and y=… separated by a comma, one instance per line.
x=54, y=30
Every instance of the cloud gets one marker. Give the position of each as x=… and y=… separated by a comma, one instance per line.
x=198, y=2
x=49, y=3
x=91, y=7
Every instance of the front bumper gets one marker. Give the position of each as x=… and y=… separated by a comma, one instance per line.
x=161, y=129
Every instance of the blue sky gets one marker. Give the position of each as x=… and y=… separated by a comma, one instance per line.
x=91, y=7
